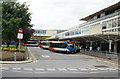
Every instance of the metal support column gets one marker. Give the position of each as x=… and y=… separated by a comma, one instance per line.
x=115, y=47
x=110, y=45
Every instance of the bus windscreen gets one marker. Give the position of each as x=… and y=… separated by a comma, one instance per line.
x=44, y=43
x=71, y=45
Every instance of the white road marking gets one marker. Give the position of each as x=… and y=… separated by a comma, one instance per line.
x=27, y=68
x=112, y=68
x=72, y=69
x=17, y=71
x=83, y=69
x=102, y=69
x=62, y=69
x=39, y=69
x=40, y=72
x=4, y=68
x=16, y=68
x=93, y=69
x=72, y=55
x=51, y=69
x=45, y=56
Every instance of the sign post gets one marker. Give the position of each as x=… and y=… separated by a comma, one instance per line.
x=20, y=36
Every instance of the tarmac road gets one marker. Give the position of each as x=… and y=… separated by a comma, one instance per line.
x=50, y=64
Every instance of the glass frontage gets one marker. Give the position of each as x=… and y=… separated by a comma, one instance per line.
x=111, y=23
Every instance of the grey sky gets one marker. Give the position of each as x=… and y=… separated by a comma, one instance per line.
x=63, y=14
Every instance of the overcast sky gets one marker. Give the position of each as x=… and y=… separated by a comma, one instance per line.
x=63, y=14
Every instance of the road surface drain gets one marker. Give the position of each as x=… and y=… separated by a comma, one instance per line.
x=101, y=66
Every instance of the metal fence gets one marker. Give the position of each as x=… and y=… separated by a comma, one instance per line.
x=101, y=54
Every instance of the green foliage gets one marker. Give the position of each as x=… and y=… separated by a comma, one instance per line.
x=14, y=46
x=15, y=16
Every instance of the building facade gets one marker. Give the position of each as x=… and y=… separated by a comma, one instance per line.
x=102, y=26
x=40, y=34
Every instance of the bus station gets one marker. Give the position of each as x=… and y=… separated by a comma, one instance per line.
x=100, y=29
x=89, y=50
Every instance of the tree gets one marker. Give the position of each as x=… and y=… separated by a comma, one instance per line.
x=15, y=16
x=27, y=33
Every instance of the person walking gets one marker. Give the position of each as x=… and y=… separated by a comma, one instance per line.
x=86, y=47
x=90, y=48
x=80, y=47
x=98, y=49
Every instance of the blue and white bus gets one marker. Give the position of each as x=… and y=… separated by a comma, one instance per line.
x=62, y=46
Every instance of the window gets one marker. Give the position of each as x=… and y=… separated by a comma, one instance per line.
x=114, y=30
x=71, y=45
x=71, y=33
x=44, y=31
x=109, y=23
x=102, y=15
x=67, y=34
x=118, y=21
x=118, y=29
x=78, y=32
x=114, y=23
x=44, y=43
x=104, y=25
x=58, y=45
x=38, y=31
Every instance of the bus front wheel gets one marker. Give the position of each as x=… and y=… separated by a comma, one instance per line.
x=73, y=52
x=67, y=52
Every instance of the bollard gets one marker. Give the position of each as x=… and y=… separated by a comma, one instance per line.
x=15, y=56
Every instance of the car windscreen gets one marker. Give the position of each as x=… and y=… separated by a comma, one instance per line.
x=58, y=45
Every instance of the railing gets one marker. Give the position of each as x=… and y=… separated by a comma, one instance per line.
x=100, y=54
x=96, y=20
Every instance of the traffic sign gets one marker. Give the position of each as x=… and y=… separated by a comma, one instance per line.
x=20, y=36
x=20, y=30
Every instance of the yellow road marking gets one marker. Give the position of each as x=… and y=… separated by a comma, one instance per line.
x=33, y=57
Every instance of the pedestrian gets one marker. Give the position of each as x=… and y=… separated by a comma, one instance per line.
x=90, y=48
x=98, y=48
x=76, y=48
x=12, y=42
x=80, y=47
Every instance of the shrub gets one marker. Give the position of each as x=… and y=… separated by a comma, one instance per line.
x=13, y=49
x=6, y=49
